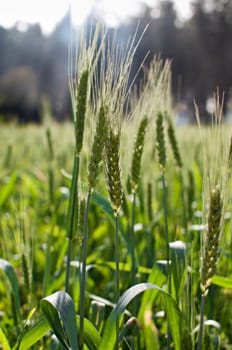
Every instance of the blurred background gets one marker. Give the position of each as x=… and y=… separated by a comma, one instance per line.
x=34, y=37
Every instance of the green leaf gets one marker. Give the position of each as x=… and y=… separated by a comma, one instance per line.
x=150, y=333
x=222, y=282
x=145, y=310
x=91, y=336
x=59, y=310
x=173, y=315
x=34, y=334
x=174, y=319
x=125, y=267
x=9, y=271
x=8, y=188
x=148, y=298
x=177, y=253
x=3, y=341
x=105, y=205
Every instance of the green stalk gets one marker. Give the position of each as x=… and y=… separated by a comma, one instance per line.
x=185, y=222
x=72, y=216
x=117, y=259
x=165, y=209
x=117, y=275
x=48, y=266
x=133, y=279
x=50, y=171
x=68, y=259
x=201, y=330
x=149, y=202
x=83, y=273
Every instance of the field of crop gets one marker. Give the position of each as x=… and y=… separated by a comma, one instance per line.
x=116, y=233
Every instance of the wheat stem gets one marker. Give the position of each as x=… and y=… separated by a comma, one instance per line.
x=182, y=193
x=83, y=273
x=166, y=229
x=133, y=252
x=117, y=272
x=201, y=329
x=149, y=202
x=72, y=216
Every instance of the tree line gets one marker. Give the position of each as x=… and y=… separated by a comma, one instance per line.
x=34, y=66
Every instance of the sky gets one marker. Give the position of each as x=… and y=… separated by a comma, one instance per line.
x=49, y=12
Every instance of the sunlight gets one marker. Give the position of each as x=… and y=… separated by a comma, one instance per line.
x=49, y=13
x=118, y=10
x=30, y=12
x=80, y=10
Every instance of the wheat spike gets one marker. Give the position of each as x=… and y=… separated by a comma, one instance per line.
x=160, y=142
x=97, y=148
x=81, y=110
x=113, y=171
x=210, y=254
x=137, y=154
x=174, y=144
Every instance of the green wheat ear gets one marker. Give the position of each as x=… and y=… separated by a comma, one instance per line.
x=97, y=148
x=81, y=110
x=50, y=144
x=26, y=272
x=137, y=154
x=190, y=193
x=160, y=142
x=113, y=171
x=174, y=144
x=210, y=254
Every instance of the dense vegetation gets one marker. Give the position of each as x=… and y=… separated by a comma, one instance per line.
x=115, y=233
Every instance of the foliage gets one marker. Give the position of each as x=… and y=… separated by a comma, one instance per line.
x=150, y=237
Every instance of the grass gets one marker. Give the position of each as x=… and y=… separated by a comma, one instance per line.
x=85, y=249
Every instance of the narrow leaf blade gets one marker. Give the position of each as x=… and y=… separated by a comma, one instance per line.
x=3, y=341
x=34, y=334
x=109, y=337
x=9, y=271
x=222, y=282
x=91, y=336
